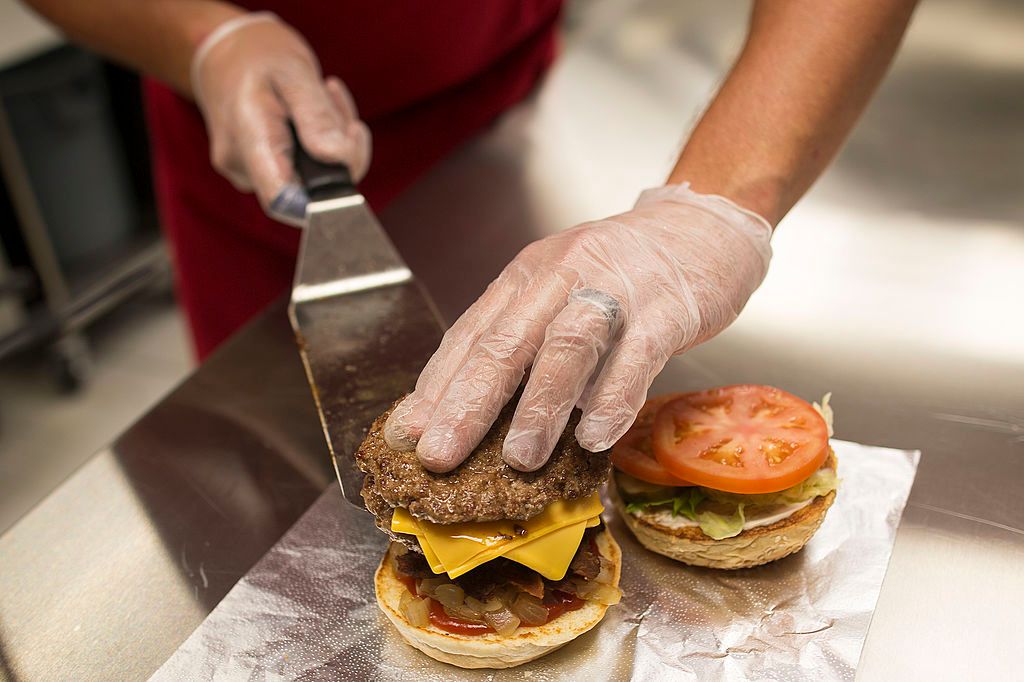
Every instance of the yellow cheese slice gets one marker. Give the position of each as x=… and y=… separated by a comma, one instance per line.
x=403, y=522
x=550, y=555
x=460, y=547
x=428, y=552
x=463, y=546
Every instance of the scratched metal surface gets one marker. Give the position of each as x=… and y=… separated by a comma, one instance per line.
x=364, y=326
x=113, y=570
x=896, y=284
x=362, y=353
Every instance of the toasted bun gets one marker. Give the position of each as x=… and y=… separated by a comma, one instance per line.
x=492, y=650
x=752, y=547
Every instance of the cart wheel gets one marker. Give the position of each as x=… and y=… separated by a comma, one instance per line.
x=72, y=363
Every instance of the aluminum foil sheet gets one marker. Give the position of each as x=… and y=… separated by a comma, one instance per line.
x=307, y=611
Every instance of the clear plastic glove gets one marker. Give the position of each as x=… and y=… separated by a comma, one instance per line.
x=595, y=312
x=250, y=77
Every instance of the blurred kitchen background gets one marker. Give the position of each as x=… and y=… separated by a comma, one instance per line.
x=89, y=334
x=90, y=337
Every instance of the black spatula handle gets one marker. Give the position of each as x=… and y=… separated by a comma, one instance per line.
x=321, y=180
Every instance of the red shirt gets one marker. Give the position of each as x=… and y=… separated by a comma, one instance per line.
x=424, y=75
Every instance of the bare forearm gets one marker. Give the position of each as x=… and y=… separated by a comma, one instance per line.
x=806, y=73
x=157, y=37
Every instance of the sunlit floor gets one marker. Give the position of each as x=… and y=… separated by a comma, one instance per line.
x=139, y=354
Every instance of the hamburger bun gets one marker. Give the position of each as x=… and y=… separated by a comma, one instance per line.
x=492, y=650
x=752, y=547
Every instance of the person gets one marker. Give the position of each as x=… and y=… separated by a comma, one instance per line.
x=592, y=313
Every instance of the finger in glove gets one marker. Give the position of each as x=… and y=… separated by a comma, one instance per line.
x=574, y=342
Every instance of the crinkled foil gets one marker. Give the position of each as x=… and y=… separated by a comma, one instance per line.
x=307, y=610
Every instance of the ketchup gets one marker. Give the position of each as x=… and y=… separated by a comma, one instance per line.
x=557, y=603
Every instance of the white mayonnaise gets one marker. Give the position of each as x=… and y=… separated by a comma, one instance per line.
x=768, y=516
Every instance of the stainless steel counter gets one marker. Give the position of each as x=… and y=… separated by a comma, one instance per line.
x=896, y=285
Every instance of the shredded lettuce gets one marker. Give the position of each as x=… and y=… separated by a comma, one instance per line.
x=685, y=502
x=821, y=482
x=719, y=526
x=687, y=505
x=825, y=410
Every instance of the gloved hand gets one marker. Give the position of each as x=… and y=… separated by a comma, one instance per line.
x=628, y=292
x=250, y=77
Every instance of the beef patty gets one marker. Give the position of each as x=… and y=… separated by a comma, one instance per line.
x=483, y=488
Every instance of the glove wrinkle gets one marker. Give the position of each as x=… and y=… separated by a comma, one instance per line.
x=479, y=386
x=592, y=315
x=252, y=75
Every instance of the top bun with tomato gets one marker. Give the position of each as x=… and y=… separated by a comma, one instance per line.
x=490, y=567
x=730, y=477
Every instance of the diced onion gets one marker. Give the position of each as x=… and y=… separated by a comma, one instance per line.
x=450, y=595
x=428, y=585
x=605, y=594
x=530, y=610
x=493, y=604
x=602, y=593
x=453, y=599
x=399, y=551
x=584, y=588
x=415, y=610
x=503, y=621
x=470, y=609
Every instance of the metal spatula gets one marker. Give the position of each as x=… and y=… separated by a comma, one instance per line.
x=364, y=326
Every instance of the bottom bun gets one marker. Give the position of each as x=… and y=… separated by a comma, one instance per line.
x=750, y=548
x=492, y=650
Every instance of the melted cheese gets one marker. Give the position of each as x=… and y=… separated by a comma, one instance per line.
x=546, y=543
x=551, y=555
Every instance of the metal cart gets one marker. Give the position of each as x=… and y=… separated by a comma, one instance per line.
x=48, y=297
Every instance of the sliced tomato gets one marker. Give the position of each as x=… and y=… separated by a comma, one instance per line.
x=633, y=452
x=740, y=439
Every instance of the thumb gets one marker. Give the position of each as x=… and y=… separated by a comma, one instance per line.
x=266, y=148
x=357, y=132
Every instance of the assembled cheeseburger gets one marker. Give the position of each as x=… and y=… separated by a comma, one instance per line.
x=729, y=477
x=490, y=567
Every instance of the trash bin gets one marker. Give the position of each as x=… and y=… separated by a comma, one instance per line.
x=60, y=115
